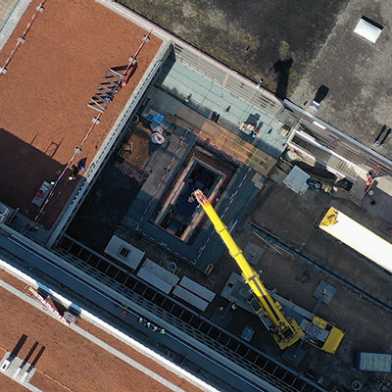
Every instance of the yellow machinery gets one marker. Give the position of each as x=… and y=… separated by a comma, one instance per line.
x=358, y=237
x=286, y=331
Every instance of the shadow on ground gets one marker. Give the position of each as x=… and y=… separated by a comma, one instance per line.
x=249, y=36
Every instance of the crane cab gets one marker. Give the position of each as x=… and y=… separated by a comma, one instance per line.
x=331, y=336
x=317, y=331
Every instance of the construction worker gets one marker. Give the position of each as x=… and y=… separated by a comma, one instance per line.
x=369, y=181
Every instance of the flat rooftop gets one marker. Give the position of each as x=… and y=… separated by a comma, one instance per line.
x=6, y=6
x=77, y=358
x=254, y=37
x=362, y=287
x=46, y=90
x=357, y=73
x=7, y=384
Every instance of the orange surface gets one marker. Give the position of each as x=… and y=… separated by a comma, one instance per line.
x=44, y=95
x=70, y=362
x=112, y=341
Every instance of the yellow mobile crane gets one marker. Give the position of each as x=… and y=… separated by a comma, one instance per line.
x=286, y=331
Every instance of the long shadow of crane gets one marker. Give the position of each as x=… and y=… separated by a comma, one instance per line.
x=282, y=70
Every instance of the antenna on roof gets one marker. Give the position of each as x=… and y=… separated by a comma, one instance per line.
x=115, y=79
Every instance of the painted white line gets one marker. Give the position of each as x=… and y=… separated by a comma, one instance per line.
x=98, y=342
x=170, y=366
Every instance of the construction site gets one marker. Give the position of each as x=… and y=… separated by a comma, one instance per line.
x=187, y=207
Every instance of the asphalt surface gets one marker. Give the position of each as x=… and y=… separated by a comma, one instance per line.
x=357, y=74
x=273, y=40
x=279, y=211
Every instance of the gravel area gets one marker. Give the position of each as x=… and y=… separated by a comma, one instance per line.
x=44, y=94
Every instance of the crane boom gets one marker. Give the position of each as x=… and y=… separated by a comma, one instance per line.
x=285, y=331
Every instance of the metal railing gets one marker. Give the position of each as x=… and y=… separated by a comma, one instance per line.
x=104, y=152
x=260, y=97
x=183, y=318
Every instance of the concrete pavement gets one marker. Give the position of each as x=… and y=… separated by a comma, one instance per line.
x=357, y=74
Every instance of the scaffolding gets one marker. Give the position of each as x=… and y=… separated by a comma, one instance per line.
x=115, y=78
x=231, y=145
x=105, y=94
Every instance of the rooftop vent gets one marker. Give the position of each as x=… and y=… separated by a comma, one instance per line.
x=368, y=29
